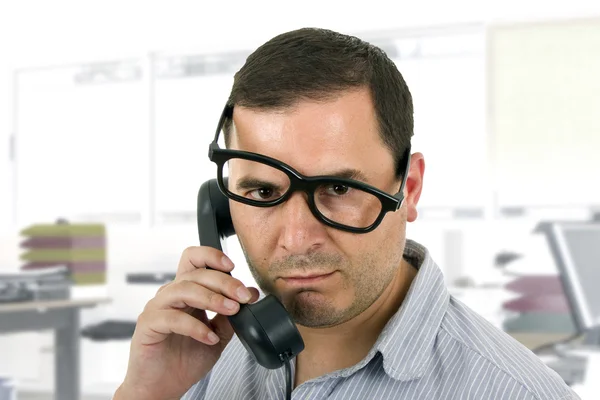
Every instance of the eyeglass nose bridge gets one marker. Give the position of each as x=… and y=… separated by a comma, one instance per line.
x=308, y=187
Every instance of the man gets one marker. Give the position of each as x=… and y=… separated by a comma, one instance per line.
x=370, y=305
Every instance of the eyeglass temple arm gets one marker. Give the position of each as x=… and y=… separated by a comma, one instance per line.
x=226, y=113
x=400, y=194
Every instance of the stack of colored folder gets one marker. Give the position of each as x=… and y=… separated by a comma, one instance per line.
x=80, y=247
x=540, y=306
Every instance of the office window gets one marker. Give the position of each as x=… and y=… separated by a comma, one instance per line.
x=545, y=103
x=81, y=143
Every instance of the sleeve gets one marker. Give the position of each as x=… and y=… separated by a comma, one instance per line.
x=198, y=391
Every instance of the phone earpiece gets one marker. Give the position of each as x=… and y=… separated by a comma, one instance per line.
x=265, y=328
x=213, y=216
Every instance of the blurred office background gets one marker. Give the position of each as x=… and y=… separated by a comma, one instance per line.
x=107, y=109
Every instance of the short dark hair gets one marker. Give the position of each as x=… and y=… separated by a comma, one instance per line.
x=318, y=64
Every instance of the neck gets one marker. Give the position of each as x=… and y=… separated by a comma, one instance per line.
x=341, y=346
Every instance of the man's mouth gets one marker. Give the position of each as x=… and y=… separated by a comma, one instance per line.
x=310, y=278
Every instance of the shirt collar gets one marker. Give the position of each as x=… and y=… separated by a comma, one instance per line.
x=408, y=338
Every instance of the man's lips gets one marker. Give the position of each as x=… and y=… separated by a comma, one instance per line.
x=303, y=279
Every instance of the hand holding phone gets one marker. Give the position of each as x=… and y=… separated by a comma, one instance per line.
x=175, y=344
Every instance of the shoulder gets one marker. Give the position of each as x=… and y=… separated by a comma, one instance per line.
x=493, y=357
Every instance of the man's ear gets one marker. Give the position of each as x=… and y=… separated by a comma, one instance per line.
x=414, y=185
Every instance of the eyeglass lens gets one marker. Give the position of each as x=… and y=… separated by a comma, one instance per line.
x=339, y=202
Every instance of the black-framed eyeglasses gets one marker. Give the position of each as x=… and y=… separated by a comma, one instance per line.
x=338, y=201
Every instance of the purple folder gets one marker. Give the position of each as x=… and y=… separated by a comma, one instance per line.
x=81, y=266
x=556, y=304
x=42, y=264
x=88, y=266
x=537, y=284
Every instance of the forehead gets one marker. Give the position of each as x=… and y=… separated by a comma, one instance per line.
x=316, y=137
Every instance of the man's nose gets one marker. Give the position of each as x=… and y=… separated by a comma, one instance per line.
x=301, y=231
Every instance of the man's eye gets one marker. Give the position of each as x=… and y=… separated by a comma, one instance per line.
x=337, y=189
x=262, y=194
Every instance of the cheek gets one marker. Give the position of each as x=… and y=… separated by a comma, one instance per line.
x=387, y=238
x=395, y=222
x=254, y=232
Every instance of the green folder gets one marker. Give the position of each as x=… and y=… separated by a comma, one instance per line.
x=89, y=278
x=61, y=230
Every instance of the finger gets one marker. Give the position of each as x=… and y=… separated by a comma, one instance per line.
x=220, y=323
x=195, y=257
x=185, y=293
x=163, y=286
x=218, y=282
x=156, y=325
x=255, y=294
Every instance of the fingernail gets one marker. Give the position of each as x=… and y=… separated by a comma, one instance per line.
x=230, y=304
x=227, y=262
x=243, y=294
x=212, y=337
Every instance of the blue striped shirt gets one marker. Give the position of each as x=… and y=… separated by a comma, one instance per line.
x=434, y=347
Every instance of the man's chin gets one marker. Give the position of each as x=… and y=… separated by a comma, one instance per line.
x=311, y=309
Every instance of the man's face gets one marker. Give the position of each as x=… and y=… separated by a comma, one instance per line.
x=286, y=243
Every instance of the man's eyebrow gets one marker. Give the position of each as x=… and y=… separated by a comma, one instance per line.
x=253, y=183
x=349, y=173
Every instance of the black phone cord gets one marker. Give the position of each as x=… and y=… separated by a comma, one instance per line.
x=285, y=357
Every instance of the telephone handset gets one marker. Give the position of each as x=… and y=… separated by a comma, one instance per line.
x=264, y=328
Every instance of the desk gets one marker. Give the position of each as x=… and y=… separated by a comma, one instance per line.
x=63, y=317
